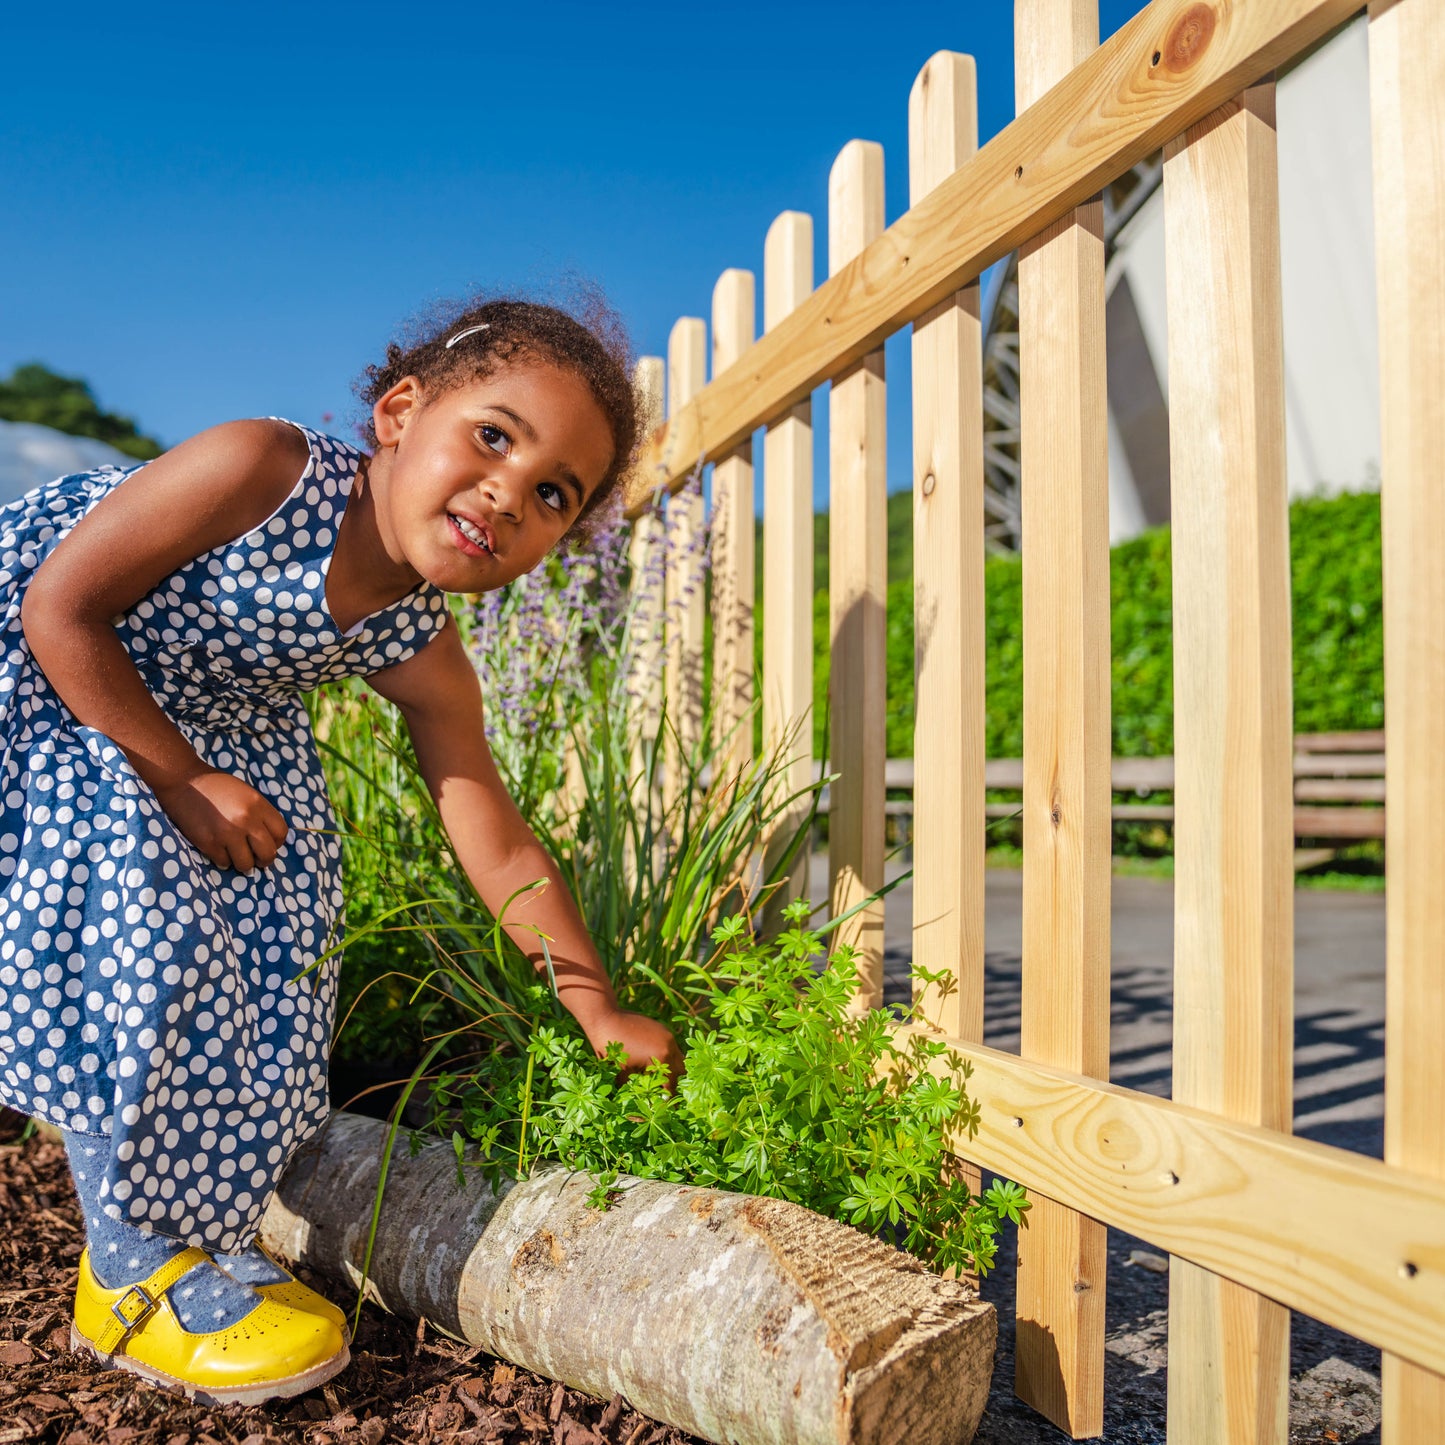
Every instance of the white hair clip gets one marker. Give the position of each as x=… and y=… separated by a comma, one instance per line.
x=462, y=335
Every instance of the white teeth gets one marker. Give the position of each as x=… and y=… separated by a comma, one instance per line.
x=471, y=533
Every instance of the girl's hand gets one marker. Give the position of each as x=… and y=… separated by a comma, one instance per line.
x=227, y=819
x=643, y=1039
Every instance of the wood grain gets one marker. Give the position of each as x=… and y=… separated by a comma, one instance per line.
x=733, y=577
x=858, y=584
x=788, y=562
x=1407, y=99
x=1064, y=1006
x=646, y=556
x=1111, y=111
x=948, y=595
x=1340, y=1236
x=686, y=374
x=1234, y=841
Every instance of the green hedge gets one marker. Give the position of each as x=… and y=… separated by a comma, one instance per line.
x=1338, y=636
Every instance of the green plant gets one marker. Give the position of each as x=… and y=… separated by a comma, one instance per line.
x=786, y=1094
x=34, y=393
x=564, y=658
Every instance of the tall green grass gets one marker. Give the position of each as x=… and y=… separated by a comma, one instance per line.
x=574, y=739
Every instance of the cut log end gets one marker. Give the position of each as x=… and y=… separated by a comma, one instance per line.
x=745, y=1320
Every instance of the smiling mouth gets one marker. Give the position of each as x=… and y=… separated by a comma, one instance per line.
x=472, y=535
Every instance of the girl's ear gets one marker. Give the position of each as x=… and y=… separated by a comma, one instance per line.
x=394, y=408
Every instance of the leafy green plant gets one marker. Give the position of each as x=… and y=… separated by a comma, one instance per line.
x=786, y=1094
x=1336, y=621
x=34, y=393
x=563, y=655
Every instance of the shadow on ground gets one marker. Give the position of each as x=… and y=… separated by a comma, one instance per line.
x=1339, y=1076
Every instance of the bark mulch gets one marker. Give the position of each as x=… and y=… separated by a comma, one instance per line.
x=404, y=1384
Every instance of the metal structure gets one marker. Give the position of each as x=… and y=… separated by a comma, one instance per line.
x=1002, y=530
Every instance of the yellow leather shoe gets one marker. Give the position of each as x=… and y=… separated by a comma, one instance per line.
x=275, y=1350
x=297, y=1296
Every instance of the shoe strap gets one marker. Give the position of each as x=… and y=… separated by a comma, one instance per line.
x=136, y=1302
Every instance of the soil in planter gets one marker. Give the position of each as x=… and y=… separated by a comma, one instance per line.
x=404, y=1383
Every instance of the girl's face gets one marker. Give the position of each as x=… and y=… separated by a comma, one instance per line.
x=484, y=479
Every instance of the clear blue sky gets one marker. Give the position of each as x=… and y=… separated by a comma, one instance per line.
x=226, y=209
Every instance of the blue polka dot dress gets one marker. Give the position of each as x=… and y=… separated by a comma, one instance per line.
x=147, y=997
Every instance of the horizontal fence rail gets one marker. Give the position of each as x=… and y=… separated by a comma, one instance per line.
x=1111, y=112
x=1339, y=1236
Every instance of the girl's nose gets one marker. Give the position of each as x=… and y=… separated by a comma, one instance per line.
x=505, y=495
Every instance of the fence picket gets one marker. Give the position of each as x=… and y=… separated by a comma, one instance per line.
x=734, y=321
x=948, y=598
x=686, y=374
x=788, y=556
x=858, y=582
x=646, y=559
x=1234, y=839
x=1065, y=514
x=1407, y=113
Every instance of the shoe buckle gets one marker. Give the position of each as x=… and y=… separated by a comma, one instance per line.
x=128, y=1315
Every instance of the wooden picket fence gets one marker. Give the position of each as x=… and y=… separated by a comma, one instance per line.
x=1257, y=1222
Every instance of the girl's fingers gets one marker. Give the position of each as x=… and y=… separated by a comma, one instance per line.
x=242, y=858
x=263, y=847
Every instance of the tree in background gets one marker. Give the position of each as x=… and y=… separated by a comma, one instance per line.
x=35, y=393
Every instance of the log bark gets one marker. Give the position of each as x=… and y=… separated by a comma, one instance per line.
x=744, y=1320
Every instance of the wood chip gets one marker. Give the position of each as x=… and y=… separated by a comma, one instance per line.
x=454, y=1394
x=49, y=1403
x=1147, y=1259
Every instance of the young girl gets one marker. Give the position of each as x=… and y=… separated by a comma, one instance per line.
x=168, y=866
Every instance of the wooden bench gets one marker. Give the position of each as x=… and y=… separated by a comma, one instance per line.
x=1339, y=790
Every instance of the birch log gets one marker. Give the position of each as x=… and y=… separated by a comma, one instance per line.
x=744, y=1320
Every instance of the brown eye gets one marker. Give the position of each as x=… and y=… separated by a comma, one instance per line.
x=496, y=439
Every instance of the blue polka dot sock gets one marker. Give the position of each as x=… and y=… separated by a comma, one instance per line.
x=252, y=1267
x=204, y=1299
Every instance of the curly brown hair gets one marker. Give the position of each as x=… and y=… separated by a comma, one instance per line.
x=587, y=339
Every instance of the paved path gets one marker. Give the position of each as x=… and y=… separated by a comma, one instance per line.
x=1339, y=1082
x=1339, y=992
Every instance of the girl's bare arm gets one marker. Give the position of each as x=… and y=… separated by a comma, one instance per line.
x=205, y=492
x=440, y=698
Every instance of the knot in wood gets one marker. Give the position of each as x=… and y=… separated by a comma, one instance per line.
x=1189, y=37
x=539, y=1251
x=929, y=483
